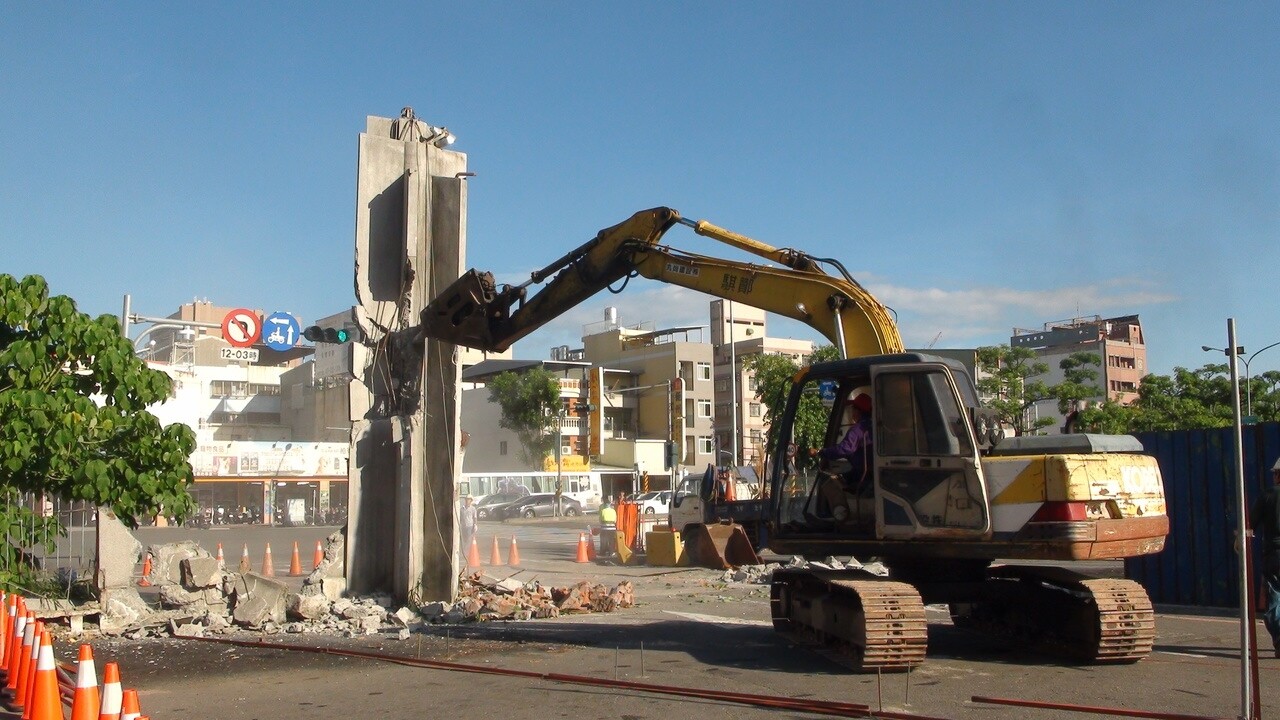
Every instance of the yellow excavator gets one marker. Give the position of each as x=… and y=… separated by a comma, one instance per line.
x=943, y=494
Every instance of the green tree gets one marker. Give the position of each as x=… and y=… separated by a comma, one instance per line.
x=1009, y=386
x=1079, y=383
x=530, y=403
x=73, y=418
x=773, y=375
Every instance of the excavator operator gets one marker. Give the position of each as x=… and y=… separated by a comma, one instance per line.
x=855, y=449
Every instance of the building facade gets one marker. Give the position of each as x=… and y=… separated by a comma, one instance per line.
x=739, y=332
x=1118, y=342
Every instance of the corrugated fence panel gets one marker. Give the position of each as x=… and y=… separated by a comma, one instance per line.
x=1198, y=565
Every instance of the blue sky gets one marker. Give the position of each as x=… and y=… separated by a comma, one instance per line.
x=978, y=166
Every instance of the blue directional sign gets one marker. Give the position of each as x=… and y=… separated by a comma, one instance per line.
x=280, y=331
x=827, y=391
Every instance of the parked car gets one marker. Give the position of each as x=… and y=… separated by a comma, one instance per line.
x=541, y=505
x=654, y=502
x=485, y=509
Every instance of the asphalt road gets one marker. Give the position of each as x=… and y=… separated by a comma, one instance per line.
x=689, y=629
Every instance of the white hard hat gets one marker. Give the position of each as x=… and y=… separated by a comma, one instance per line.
x=1276, y=467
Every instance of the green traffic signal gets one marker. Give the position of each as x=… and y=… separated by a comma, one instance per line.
x=333, y=336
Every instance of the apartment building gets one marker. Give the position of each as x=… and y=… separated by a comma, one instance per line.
x=738, y=332
x=1118, y=342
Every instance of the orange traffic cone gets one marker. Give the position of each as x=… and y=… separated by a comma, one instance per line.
x=111, y=698
x=318, y=557
x=268, y=568
x=146, y=572
x=513, y=555
x=5, y=625
x=129, y=705
x=85, y=702
x=495, y=558
x=221, y=561
x=591, y=546
x=473, y=554
x=582, y=549
x=245, y=565
x=23, y=679
x=44, y=702
x=13, y=652
x=295, y=563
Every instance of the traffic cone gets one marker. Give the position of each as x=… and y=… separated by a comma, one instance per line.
x=591, y=546
x=24, y=669
x=582, y=549
x=295, y=563
x=245, y=566
x=473, y=554
x=513, y=555
x=221, y=561
x=318, y=557
x=146, y=572
x=13, y=653
x=495, y=558
x=129, y=705
x=85, y=702
x=5, y=627
x=44, y=702
x=111, y=698
x=268, y=568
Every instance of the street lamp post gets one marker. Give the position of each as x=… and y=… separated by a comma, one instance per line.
x=1248, y=386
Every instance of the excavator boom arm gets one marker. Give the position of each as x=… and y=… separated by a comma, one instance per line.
x=476, y=312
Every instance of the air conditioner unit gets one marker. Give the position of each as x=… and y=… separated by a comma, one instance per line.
x=566, y=450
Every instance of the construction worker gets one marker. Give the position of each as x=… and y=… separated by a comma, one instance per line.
x=1265, y=521
x=608, y=527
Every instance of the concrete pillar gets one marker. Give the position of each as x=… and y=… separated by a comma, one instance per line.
x=410, y=242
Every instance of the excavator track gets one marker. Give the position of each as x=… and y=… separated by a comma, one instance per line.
x=1089, y=620
x=864, y=625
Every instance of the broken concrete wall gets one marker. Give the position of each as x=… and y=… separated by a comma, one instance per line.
x=410, y=243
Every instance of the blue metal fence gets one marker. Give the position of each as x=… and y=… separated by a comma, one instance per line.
x=1198, y=565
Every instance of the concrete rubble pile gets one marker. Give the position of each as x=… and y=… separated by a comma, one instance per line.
x=509, y=599
x=763, y=574
x=198, y=597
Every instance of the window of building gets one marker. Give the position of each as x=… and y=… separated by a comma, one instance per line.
x=704, y=444
x=754, y=434
x=755, y=410
x=704, y=371
x=502, y=447
x=751, y=383
x=704, y=408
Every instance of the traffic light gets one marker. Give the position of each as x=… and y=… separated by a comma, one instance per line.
x=333, y=336
x=670, y=455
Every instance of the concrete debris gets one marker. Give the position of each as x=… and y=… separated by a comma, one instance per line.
x=491, y=600
x=763, y=574
x=200, y=572
x=166, y=560
x=259, y=600
x=199, y=598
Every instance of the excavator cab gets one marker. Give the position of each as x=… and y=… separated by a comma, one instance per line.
x=920, y=477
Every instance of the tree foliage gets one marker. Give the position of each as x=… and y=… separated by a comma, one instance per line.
x=73, y=418
x=1186, y=400
x=1010, y=387
x=773, y=375
x=530, y=403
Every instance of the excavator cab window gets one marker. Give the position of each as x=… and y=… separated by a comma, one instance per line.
x=928, y=480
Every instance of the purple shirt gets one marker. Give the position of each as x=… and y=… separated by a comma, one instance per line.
x=855, y=441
